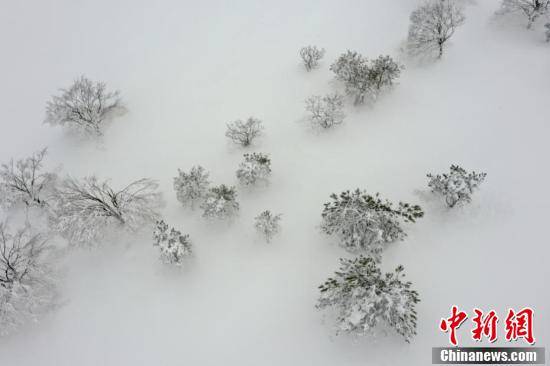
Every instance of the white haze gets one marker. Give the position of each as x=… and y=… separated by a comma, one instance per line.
x=185, y=68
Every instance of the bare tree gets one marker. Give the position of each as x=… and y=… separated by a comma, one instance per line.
x=432, y=25
x=311, y=55
x=85, y=106
x=244, y=133
x=85, y=208
x=327, y=111
x=27, y=283
x=24, y=181
x=532, y=9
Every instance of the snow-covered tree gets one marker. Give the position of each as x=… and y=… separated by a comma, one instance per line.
x=85, y=209
x=432, y=25
x=363, y=298
x=547, y=31
x=85, y=106
x=27, y=279
x=244, y=133
x=173, y=245
x=220, y=203
x=532, y=9
x=353, y=70
x=311, y=55
x=363, y=77
x=457, y=186
x=256, y=168
x=268, y=224
x=364, y=222
x=383, y=72
x=24, y=181
x=191, y=187
x=325, y=112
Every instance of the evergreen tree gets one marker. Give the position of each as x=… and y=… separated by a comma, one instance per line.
x=365, y=223
x=363, y=298
x=457, y=186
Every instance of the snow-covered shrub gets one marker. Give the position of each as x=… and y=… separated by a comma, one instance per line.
x=267, y=224
x=363, y=77
x=532, y=9
x=27, y=280
x=85, y=209
x=173, y=245
x=311, y=55
x=256, y=168
x=220, y=203
x=432, y=24
x=244, y=133
x=364, y=222
x=547, y=31
x=24, y=181
x=191, y=187
x=327, y=111
x=457, y=186
x=363, y=298
x=85, y=106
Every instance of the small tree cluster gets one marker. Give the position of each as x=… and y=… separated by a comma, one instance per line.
x=191, y=187
x=457, y=186
x=85, y=106
x=363, y=297
x=85, y=208
x=267, y=225
x=256, y=168
x=325, y=112
x=432, y=25
x=27, y=283
x=25, y=182
x=220, y=203
x=244, y=133
x=173, y=245
x=311, y=55
x=365, y=222
x=532, y=9
x=363, y=77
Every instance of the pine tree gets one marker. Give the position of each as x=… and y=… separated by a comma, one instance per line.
x=256, y=168
x=457, y=186
x=363, y=298
x=363, y=222
x=220, y=203
x=173, y=245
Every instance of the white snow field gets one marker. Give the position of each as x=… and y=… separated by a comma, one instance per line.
x=185, y=69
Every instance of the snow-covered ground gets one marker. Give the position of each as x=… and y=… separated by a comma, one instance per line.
x=186, y=68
